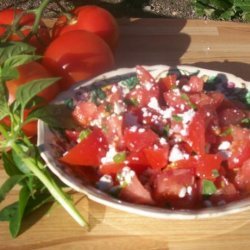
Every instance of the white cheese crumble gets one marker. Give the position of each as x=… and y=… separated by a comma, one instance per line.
x=148, y=85
x=109, y=155
x=224, y=145
x=176, y=154
x=182, y=192
x=187, y=116
x=125, y=176
x=186, y=88
x=153, y=103
x=119, y=108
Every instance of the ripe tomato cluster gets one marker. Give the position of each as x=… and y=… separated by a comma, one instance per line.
x=74, y=50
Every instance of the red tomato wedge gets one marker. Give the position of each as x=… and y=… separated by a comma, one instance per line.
x=135, y=192
x=89, y=151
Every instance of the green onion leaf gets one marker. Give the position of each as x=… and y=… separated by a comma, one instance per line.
x=120, y=157
x=84, y=134
x=208, y=187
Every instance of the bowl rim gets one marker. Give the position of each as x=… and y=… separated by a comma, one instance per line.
x=107, y=200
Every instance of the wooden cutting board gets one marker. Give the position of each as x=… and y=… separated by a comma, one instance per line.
x=221, y=46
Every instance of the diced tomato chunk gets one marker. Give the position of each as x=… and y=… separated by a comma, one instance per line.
x=135, y=192
x=196, y=133
x=72, y=135
x=136, y=140
x=196, y=84
x=210, y=99
x=176, y=187
x=240, y=147
x=84, y=112
x=157, y=157
x=208, y=166
x=89, y=151
x=231, y=116
x=144, y=76
x=242, y=178
x=176, y=99
x=110, y=168
x=167, y=82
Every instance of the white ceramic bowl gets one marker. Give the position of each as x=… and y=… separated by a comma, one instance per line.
x=48, y=152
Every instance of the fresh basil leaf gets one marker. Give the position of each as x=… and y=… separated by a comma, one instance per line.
x=130, y=83
x=9, y=184
x=208, y=187
x=9, y=165
x=15, y=221
x=17, y=60
x=29, y=90
x=37, y=200
x=9, y=49
x=7, y=213
x=177, y=118
x=59, y=116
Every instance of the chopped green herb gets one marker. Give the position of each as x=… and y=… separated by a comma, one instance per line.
x=247, y=97
x=208, y=187
x=166, y=130
x=69, y=103
x=226, y=132
x=119, y=157
x=84, y=134
x=215, y=173
x=97, y=95
x=130, y=83
x=109, y=107
x=186, y=98
x=177, y=118
x=131, y=102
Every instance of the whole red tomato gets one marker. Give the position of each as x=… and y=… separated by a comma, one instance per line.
x=28, y=72
x=40, y=40
x=77, y=55
x=90, y=18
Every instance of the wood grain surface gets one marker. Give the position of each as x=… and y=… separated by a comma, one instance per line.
x=215, y=45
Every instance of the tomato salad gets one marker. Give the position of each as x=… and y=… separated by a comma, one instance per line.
x=179, y=141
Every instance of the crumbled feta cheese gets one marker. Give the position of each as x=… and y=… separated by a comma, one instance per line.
x=167, y=113
x=235, y=160
x=109, y=155
x=148, y=85
x=187, y=116
x=114, y=89
x=153, y=103
x=133, y=129
x=119, y=108
x=224, y=145
x=141, y=130
x=182, y=192
x=163, y=141
x=125, y=176
x=176, y=154
x=186, y=88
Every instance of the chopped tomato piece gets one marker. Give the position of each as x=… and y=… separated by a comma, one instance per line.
x=176, y=99
x=168, y=82
x=231, y=116
x=144, y=76
x=242, y=178
x=135, y=192
x=240, y=147
x=72, y=135
x=111, y=168
x=84, y=112
x=136, y=140
x=208, y=166
x=175, y=187
x=196, y=133
x=157, y=157
x=196, y=84
x=89, y=151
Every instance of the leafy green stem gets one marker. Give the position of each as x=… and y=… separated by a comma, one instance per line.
x=43, y=175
